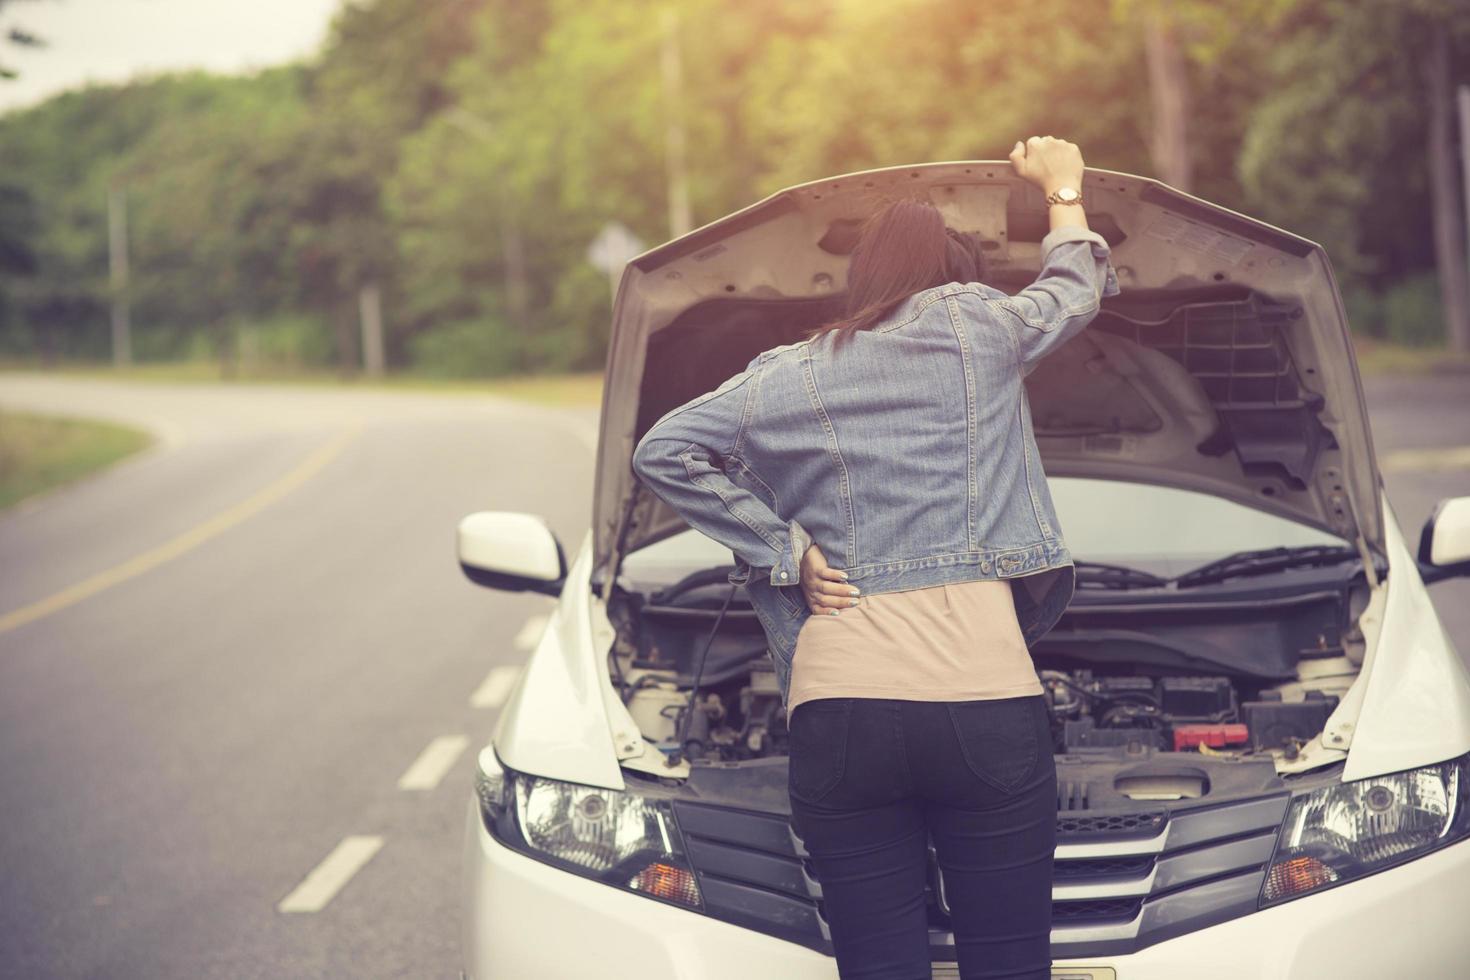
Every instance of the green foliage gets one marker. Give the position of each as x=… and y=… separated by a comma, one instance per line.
x=1337, y=153
x=466, y=349
x=290, y=341
x=1412, y=313
x=1364, y=311
x=433, y=141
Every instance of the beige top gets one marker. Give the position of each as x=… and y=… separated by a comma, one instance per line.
x=951, y=642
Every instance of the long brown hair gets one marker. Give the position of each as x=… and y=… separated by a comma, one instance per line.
x=902, y=248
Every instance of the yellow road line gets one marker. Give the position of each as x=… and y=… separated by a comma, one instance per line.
x=183, y=543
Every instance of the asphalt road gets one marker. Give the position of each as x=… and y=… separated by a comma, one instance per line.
x=194, y=733
x=224, y=658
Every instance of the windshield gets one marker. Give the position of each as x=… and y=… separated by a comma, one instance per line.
x=1163, y=530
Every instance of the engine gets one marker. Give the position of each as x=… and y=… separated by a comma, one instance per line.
x=741, y=717
x=1177, y=713
x=730, y=721
x=737, y=715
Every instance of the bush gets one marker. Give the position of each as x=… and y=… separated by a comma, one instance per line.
x=1412, y=314
x=156, y=343
x=480, y=348
x=201, y=346
x=287, y=340
x=1408, y=313
x=1364, y=311
x=573, y=336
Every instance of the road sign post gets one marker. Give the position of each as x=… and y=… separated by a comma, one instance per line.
x=612, y=249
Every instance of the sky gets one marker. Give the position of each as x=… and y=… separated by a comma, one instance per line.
x=114, y=40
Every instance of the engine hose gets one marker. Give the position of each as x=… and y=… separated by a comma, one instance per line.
x=677, y=755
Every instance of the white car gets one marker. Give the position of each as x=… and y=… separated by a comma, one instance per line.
x=1261, y=725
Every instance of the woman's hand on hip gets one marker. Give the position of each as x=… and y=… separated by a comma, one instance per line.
x=825, y=587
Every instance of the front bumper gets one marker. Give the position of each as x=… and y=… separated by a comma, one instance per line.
x=523, y=918
x=1405, y=921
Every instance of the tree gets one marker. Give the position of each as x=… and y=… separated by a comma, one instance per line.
x=379, y=80
x=17, y=36
x=1344, y=144
x=459, y=155
x=1448, y=210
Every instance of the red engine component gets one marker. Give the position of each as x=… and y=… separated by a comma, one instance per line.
x=1215, y=736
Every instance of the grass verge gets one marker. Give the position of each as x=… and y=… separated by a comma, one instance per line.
x=584, y=389
x=39, y=452
x=581, y=389
x=1377, y=357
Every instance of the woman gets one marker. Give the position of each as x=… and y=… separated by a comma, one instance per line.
x=901, y=435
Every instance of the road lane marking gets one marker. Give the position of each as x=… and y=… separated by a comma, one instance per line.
x=326, y=879
x=530, y=634
x=183, y=543
x=433, y=763
x=496, y=687
x=1430, y=458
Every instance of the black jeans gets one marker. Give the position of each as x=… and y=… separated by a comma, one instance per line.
x=871, y=779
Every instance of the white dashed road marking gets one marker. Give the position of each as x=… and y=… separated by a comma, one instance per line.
x=495, y=688
x=434, y=762
x=326, y=879
x=530, y=634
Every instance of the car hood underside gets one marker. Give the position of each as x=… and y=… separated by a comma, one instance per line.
x=1224, y=365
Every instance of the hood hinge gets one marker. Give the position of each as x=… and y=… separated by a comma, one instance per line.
x=625, y=524
x=1370, y=566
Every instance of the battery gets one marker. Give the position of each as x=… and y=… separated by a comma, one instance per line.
x=1083, y=734
x=1274, y=723
x=1197, y=698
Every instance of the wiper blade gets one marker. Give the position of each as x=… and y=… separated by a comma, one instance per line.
x=1266, y=560
x=1116, y=576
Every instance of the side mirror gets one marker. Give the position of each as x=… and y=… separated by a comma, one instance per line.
x=515, y=552
x=1444, y=545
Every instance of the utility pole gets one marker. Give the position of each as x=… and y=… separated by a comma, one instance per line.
x=512, y=245
x=1168, y=89
x=117, y=255
x=370, y=311
x=613, y=248
x=1451, y=254
x=680, y=217
x=1460, y=340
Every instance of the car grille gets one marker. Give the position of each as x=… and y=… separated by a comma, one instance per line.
x=1121, y=881
x=750, y=873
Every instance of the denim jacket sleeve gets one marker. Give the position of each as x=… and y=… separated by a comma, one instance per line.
x=682, y=459
x=1076, y=273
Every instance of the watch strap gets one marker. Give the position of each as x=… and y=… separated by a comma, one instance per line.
x=1052, y=198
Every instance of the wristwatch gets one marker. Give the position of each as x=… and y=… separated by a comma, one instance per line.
x=1064, y=195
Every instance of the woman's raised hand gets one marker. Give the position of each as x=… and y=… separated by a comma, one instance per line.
x=825, y=587
x=1048, y=163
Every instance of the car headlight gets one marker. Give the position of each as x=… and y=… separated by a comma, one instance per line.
x=625, y=839
x=1337, y=833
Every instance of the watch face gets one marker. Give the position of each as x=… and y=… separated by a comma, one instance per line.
x=1067, y=194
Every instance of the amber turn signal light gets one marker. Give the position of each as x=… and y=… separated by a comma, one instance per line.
x=667, y=881
x=1296, y=875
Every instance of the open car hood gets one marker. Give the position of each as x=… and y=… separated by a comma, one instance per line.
x=1224, y=365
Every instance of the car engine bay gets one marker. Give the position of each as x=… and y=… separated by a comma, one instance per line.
x=1132, y=693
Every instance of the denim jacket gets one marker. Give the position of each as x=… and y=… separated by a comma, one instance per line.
x=907, y=455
